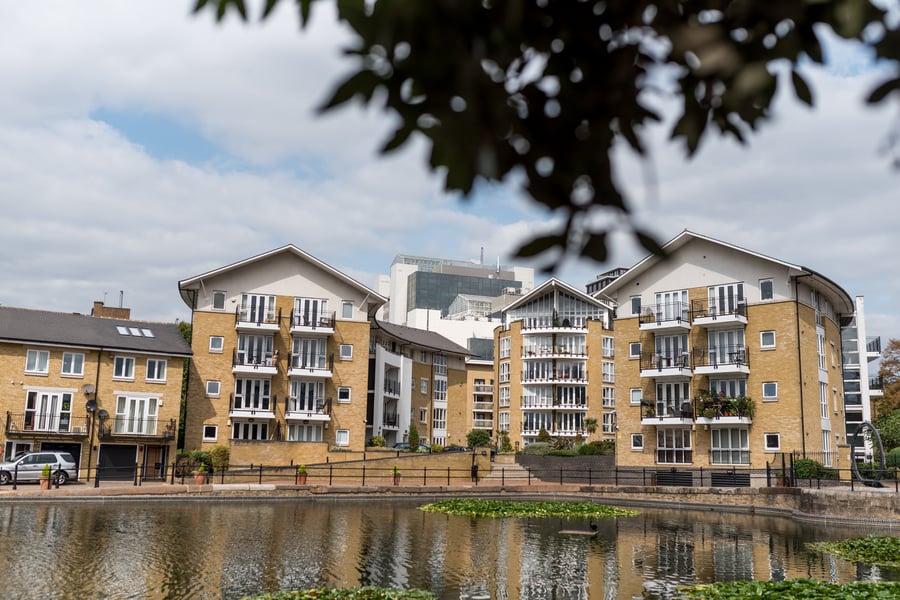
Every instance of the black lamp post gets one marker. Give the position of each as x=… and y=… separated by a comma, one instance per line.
x=91, y=408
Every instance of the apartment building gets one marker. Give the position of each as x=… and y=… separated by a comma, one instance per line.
x=554, y=365
x=103, y=387
x=281, y=358
x=416, y=379
x=726, y=357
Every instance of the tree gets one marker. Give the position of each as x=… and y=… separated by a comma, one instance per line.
x=890, y=378
x=186, y=332
x=590, y=425
x=413, y=438
x=478, y=438
x=547, y=89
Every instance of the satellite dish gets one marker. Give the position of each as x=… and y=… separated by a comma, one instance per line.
x=91, y=406
x=88, y=388
x=103, y=414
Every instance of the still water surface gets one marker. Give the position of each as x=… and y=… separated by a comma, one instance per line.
x=230, y=549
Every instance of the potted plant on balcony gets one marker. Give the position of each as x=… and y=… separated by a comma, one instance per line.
x=395, y=475
x=45, y=477
x=301, y=475
x=200, y=475
x=744, y=406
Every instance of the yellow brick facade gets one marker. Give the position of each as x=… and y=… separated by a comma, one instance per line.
x=48, y=410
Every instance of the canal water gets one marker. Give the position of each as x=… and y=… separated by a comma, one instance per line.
x=231, y=549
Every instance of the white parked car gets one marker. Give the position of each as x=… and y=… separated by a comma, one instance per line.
x=28, y=467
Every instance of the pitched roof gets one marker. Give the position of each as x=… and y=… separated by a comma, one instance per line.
x=419, y=337
x=551, y=283
x=27, y=326
x=186, y=284
x=686, y=236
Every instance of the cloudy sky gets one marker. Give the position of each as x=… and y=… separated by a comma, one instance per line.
x=140, y=145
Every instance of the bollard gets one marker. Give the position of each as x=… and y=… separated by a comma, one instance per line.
x=16, y=476
x=58, y=469
x=97, y=477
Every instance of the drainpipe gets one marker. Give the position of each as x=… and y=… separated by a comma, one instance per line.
x=800, y=363
x=94, y=414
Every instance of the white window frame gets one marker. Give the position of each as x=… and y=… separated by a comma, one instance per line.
x=423, y=385
x=423, y=415
x=37, y=362
x=440, y=389
x=635, y=396
x=503, y=375
x=504, y=347
x=136, y=414
x=216, y=344
x=771, y=397
x=213, y=388
x=439, y=419
x=637, y=441
x=346, y=309
x=609, y=422
x=504, y=397
x=123, y=368
x=685, y=452
x=342, y=437
x=160, y=366
x=762, y=340
x=608, y=346
x=720, y=451
x=635, y=305
x=634, y=350
x=766, y=438
x=823, y=399
x=608, y=371
x=342, y=389
x=215, y=434
x=75, y=361
x=608, y=393
x=346, y=352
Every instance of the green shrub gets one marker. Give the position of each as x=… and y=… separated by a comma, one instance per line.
x=437, y=448
x=219, y=458
x=892, y=459
x=413, y=437
x=505, y=444
x=807, y=468
x=588, y=449
x=543, y=435
x=478, y=438
x=556, y=452
x=598, y=447
x=537, y=449
x=378, y=441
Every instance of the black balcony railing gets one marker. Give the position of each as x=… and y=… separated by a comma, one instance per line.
x=873, y=344
x=876, y=383
x=33, y=423
x=662, y=360
x=701, y=309
x=707, y=407
x=718, y=356
x=261, y=318
x=663, y=313
x=252, y=359
x=390, y=420
x=312, y=362
x=323, y=321
x=249, y=405
x=317, y=406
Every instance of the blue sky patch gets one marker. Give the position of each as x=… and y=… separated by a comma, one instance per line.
x=161, y=137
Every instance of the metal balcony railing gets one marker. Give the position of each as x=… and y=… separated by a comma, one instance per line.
x=717, y=356
x=661, y=313
x=33, y=423
x=323, y=321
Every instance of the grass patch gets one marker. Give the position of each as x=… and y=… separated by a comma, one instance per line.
x=808, y=589
x=355, y=593
x=882, y=550
x=501, y=509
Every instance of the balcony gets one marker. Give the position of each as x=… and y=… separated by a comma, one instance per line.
x=311, y=365
x=33, y=424
x=659, y=365
x=546, y=404
x=555, y=378
x=727, y=360
x=485, y=389
x=256, y=408
x=256, y=363
x=482, y=406
x=557, y=352
x=138, y=428
x=550, y=324
x=311, y=409
x=876, y=386
x=711, y=317
x=320, y=324
x=665, y=318
x=722, y=410
x=392, y=388
x=873, y=348
x=255, y=323
x=666, y=413
x=483, y=424
x=390, y=421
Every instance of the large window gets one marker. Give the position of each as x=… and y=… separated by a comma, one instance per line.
x=306, y=396
x=672, y=351
x=305, y=433
x=504, y=396
x=504, y=372
x=218, y=300
x=440, y=390
x=439, y=418
x=766, y=289
x=608, y=347
x=609, y=371
x=124, y=367
x=504, y=347
x=609, y=422
x=503, y=423
x=37, y=361
x=311, y=312
x=609, y=396
x=252, y=394
x=256, y=308
x=673, y=446
x=440, y=364
x=136, y=415
x=730, y=388
x=72, y=364
x=726, y=347
x=729, y=446
x=670, y=397
x=48, y=411
x=309, y=353
x=671, y=306
x=255, y=349
x=249, y=430
x=726, y=299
